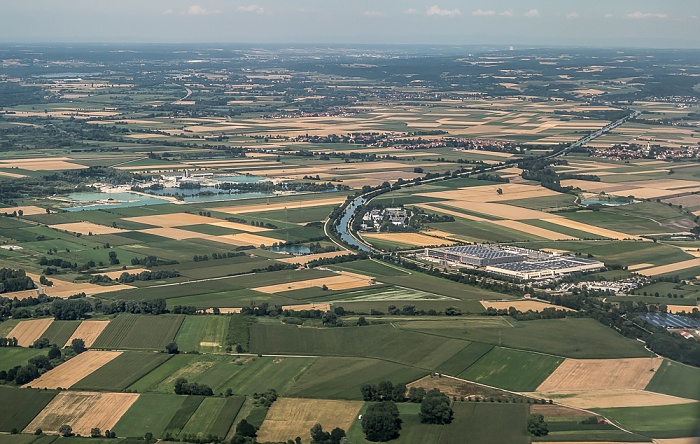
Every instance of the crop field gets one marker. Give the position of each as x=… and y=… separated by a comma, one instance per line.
x=610, y=398
x=189, y=405
x=381, y=341
x=27, y=332
x=19, y=406
x=388, y=294
x=592, y=374
x=511, y=369
x=82, y=411
x=139, y=332
x=341, y=378
x=88, y=331
x=74, y=370
x=162, y=378
x=522, y=305
x=555, y=336
x=214, y=416
x=12, y=356
x=59, y=332
x=112, y=376
x=202, y=333
x=676, y=379
x=152, y=413
x=464, y=359
x=671, y=421
x=292, y=417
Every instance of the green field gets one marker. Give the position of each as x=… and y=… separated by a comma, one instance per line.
x=182, y=415
x=512, y=369
x=668, y=421
x=130, y=331
x=380, y=341
x=561, y=337
x=465, y=358
x=202, y=333
x=214, y=416
x=152, y=413
x=122, y=371
x=162, y=378
x=19, y=406
x=13, y=356
x=341, y=378
x=676, y=379
x=60, y=331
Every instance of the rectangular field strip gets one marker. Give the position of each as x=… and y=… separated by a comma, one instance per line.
x=72, y=371
x=130, y=331
x=122, y=371
x=19, y=406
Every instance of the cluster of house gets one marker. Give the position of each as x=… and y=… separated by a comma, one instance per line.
x=374, y=219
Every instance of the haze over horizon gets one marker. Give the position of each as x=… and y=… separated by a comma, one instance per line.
x=635, y=23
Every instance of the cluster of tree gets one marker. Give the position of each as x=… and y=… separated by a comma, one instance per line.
x=8, y=342
x=275, y=267
x=536, y=425
x=14, y=280
x=492, y=178
x=547, y=313
x=152, y=261
x=217, y=256
x=381, y=422
x=185, y=309
x=40, y=364
x=146, y=275
x=70, y=309
x=435, y=408
x=386, y=391
x=21, y=309
x=318, y=436
x=266, y=398
x=338, y=259
x=182, y=387
x=149, y=306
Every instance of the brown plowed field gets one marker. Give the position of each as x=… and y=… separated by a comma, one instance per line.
x=82, y=411
x=73, y=370
x=27, y=332
x=295, y=417
x=88, y=331
x=601, y=374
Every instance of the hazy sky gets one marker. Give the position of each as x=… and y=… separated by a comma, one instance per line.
x=654, y=23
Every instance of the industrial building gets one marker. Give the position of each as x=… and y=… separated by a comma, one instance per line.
x=473, y=255
x=547, y=268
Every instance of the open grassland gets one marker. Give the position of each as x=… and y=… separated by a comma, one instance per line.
x=511, y=369
x=60, y=331
x=12, y=356
x=561, y=337
x=82, y=411
x=20, y=406
x=380, y=341
x=88, y=331
x=183, y=414
x=600, y=374
x=27, y=332
x=75, y=369
x=152, y=412
x=139, y=332
x=292, y=417
x=341, y=378
x=670, y=421
x=202, y=333
x=676, y=379
x=122, y=371
x=214, y=416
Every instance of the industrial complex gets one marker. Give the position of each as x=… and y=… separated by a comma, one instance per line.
x=514, y=262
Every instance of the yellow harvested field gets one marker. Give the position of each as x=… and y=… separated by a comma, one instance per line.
x=27, y=332
x=64, y=289
x=611, y=398
x=441, y=233
x=503, y=211
x=171, y=220
x=675, y=441
x=174, y=233
x=312, y=257
x=601, y=374
x=415, y=239
x=117, y=273
x=489, y=193
x=343, y=281
x=86, y=228
x=451, y=212
x=255, y=208
x=671, y=267
x=29, y=210
x=11, y=175
x=240, y=227
x=295, y=417
x=531, y=229
x=242, y=239
x=680, y=308
x=82, y=411
x=590, y=228
x=73, y=370
x=42, y=164
x=88, y=331
x=639, y=266
x=522, y=305
x=299, y=307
